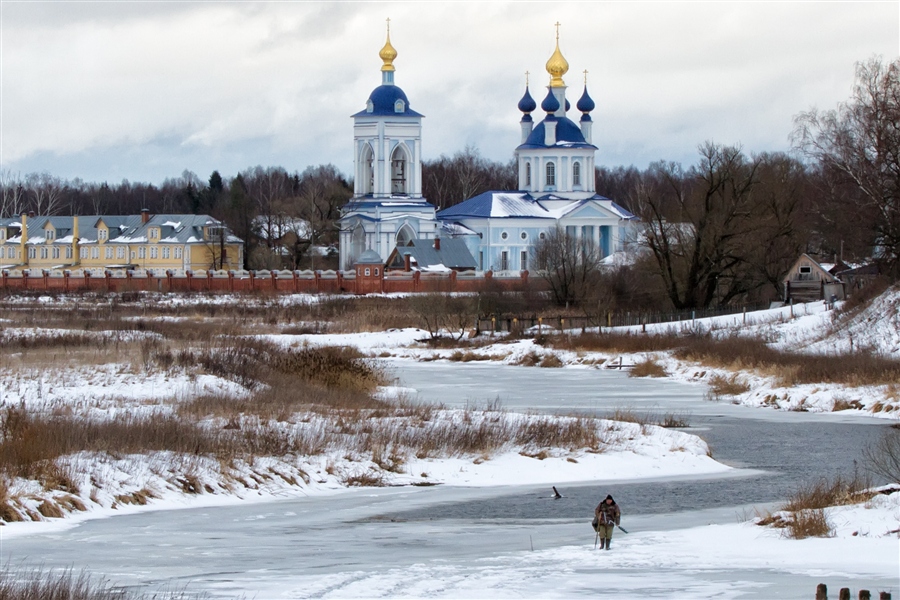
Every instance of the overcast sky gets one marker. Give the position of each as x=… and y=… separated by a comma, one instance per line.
x=142, y=91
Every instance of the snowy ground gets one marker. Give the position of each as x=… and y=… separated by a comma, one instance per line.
x=864, y=547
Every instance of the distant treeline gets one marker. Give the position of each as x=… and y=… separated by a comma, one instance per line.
x=714, y=231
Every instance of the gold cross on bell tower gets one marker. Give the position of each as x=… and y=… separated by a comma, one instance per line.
x=585, y=76
x=557, y=30
x=527, y=73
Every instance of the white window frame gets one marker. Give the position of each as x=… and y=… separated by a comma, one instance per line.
x=550, y=174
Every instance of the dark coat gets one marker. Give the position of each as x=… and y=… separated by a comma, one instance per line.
x=607, y=514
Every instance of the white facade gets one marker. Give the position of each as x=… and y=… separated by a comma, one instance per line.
x=387, y=208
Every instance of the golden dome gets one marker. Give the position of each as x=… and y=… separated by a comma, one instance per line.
x=388, y=53
x=557, y=66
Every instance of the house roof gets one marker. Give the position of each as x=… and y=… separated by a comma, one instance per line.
x=497, y=204
x=174, y=228
x=453, y=254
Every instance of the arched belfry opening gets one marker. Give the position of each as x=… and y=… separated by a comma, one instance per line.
x=400, y=172
x=367, y=170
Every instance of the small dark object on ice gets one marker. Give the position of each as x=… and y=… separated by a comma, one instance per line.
x=556, y=495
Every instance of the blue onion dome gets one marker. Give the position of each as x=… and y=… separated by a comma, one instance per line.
x=527, y=103
x=585, y=103
x=550, y=103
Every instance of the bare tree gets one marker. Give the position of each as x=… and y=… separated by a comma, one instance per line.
x=46, y=192
x=859, y=144
x=699, y=225
x=569, y=264
x=13, y=196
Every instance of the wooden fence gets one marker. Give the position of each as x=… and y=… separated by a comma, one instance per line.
x=844, y=594
x=611, y=319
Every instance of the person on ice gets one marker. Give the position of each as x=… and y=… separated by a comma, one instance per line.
x=607, y=515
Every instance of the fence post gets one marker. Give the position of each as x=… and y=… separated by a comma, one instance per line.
x=821, y=592
x=865, y=595
x=884, y=596
x=792, y=308
x=844, y=594
x=493, y=325
x=745, y=315
x=540, y=326
x=609, y=318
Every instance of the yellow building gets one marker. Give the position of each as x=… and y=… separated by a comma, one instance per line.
x=179, y=242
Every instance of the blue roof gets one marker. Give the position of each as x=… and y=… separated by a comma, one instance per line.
x=567, y=133
x=383, y=99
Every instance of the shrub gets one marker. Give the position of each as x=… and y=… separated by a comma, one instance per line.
x=808, y=523
x=647, y=368
x=729, y=386
x=883, y=457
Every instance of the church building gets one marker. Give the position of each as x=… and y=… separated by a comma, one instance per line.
x=499, y=228
x=556, y=188
x=387, y=208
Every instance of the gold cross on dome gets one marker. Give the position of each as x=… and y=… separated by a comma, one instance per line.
x=388, y=24
x=585, y=76
x=527, y=73
x=557, y=30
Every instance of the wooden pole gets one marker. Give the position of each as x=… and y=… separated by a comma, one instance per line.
x=821, y=592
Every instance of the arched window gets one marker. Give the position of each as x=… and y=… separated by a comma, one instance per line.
x=551, y=174
x=405, y=236
x=399, y=106
x=576, y=173
x=528, y=174
x=399, y=168
x=358, y=243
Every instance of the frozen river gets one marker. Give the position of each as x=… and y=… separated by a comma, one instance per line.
x=512, y=542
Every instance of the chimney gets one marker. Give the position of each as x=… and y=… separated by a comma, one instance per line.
x=31, y=214
x=437, y=244
x=407, y=263
x=145, y=215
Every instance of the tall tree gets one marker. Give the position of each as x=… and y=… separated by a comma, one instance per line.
x=857, y=147
x=699, y=225
x=570, y=265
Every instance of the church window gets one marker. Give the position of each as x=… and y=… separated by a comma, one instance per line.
x=405, y=236
x=528, y=174
x=551, y=174
x=576, y=173
x=399, y=106
x=504, y=235
x=504, y=261
x=523, y=235
x=542, y=235
x=369, y=106
x=367, y=176
x=523, y=261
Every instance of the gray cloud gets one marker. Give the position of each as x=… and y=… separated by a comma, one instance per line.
x=142, y=91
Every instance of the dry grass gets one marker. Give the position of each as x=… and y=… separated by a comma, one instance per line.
x=808, y=523
x=647, y=368
x=734, y=354
x=727, y=386
x=41, y=584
